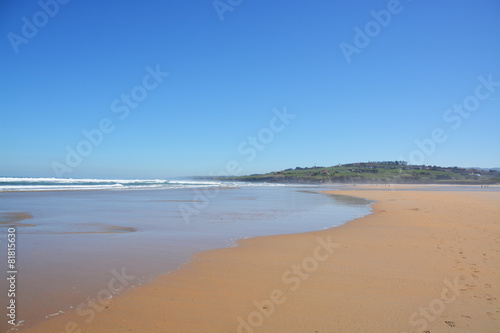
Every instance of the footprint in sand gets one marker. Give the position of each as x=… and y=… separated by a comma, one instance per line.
x=489, y=297
x=487, y=285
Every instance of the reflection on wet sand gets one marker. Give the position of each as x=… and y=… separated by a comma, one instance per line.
x=97, y=228
x=344, y=199
x=88, y=228
x=175, y=201
x=10, y=219
x=349, y=200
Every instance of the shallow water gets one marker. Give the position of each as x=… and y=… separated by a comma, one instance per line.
x=68, y=250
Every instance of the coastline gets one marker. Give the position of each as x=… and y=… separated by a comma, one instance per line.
x=382, y=270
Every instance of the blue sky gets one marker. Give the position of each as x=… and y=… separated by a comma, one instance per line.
x=228, y=78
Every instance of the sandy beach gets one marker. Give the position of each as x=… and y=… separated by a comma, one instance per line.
x=423, y=261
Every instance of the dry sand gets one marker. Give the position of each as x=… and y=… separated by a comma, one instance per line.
x=423, y=261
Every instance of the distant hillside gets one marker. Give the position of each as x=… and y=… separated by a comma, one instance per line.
x=377, y=172
x=484, y=169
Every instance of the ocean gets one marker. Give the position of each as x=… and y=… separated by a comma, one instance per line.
x=13, y=184
x=74, y=235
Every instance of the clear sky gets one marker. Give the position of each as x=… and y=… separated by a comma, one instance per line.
x=259, y=85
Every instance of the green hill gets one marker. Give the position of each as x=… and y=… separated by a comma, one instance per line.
x=377, y=172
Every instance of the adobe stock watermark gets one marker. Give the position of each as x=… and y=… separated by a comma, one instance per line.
x=424, y=316
x=248, y=148
x=222, y=6
x=12, y=276
x=122, y=107
x=372, y=29
x=453, y=116
x=29, y=29
x=292, y=278
x=116, y=285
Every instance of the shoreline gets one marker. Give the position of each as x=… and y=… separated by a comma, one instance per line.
x=61, y=272
x=381, y=268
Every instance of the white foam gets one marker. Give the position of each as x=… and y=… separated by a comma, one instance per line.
x=19, y=184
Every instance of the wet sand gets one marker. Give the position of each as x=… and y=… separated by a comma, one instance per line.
x=11, y=219
x=423, y=261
